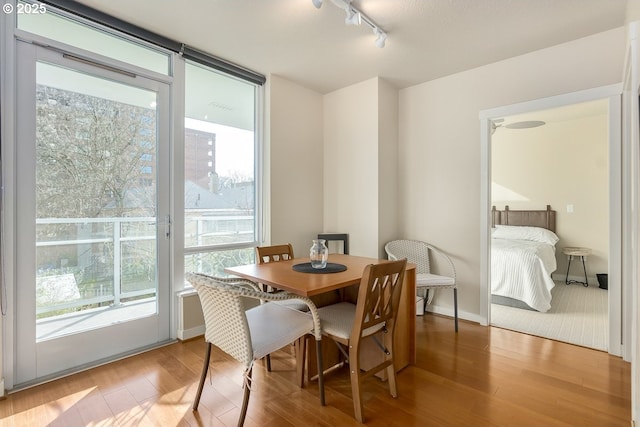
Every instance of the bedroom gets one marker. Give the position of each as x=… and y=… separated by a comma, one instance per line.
x=564, y=164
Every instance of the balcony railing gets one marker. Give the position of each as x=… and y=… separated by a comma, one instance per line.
x=97, y=262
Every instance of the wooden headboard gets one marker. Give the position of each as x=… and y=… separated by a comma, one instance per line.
x=541, y=218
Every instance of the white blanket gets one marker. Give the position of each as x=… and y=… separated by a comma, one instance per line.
x=521, y=269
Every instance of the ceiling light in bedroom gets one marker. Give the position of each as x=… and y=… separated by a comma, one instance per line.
x=526, y=124
x=356, y=17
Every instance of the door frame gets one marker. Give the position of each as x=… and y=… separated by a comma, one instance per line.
x=617, y=336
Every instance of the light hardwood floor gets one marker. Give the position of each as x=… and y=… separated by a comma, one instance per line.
x=482, y=376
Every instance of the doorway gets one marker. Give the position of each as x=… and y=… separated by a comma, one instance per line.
x=93, y=252
x=610, y=95
x=556, y=157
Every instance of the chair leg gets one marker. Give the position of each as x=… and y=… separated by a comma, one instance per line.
x=301, y=357
x=203, y=376
x=320, y=371
x=268, y=357
x=354, y=369
x=391, y=369
x=455, y=306
x=245, y=400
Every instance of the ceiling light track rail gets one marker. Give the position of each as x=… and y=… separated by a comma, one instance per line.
x=356, y=17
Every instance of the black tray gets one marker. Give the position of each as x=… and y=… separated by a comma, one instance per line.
x=331, y=267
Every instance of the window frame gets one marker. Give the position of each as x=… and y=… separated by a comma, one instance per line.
x=258, y=150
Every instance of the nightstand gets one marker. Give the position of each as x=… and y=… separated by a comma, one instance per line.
x=583, y=253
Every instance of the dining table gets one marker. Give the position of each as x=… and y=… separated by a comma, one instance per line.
x=283, y=275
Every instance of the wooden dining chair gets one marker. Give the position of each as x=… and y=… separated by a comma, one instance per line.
x=336, y=237
x=274, y=253
x=249, y=335
x=374, y=314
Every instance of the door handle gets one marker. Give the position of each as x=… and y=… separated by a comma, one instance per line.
x=167, y=225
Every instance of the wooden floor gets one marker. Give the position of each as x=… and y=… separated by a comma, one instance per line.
x=481, y=376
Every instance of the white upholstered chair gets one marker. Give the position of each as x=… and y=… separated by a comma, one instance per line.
x=374, y=314
x=419, y=253
x=249, y=335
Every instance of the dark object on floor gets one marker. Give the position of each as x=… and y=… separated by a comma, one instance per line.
x=603, y=280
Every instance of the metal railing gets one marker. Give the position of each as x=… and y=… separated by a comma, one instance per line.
x=87, y=259
x=112, y=272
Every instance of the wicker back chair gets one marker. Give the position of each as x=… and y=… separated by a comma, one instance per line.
x=419, y=253
x=276, y=253
x=248, y=335
x=349, y=325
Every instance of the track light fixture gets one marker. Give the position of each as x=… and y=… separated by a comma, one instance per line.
x=381, y=37
x=353, y=17
x=356, y=17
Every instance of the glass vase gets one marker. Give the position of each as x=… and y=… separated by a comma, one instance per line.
x=319, y=253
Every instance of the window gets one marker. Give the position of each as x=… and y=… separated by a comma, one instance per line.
x=221, y=221
x=221, y=225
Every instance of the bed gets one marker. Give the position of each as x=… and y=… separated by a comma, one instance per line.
x=523, y=256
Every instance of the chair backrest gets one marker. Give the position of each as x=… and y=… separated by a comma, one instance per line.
x=225, y=319
x=414, y=251
x=274, y=253
x=336, y=237
x=378, y=298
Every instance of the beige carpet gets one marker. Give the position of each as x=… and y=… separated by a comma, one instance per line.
x=578, y=315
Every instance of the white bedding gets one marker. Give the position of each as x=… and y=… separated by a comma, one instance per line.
x=521, y=269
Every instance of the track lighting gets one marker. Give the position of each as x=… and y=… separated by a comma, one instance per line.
x=356, y=17
x=353, y=17
x=381, y=37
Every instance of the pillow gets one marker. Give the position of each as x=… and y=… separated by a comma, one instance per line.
x=516, y=232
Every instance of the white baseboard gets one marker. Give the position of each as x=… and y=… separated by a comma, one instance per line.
x=190, y=320
x=187, y=334
x=448, y=311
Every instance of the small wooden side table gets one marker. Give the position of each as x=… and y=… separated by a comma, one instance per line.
x=583, y=253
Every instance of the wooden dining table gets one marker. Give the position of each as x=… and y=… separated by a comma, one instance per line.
x=281, y=275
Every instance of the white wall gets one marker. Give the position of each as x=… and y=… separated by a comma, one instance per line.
x=332, y=164
x=439, y=141
x=351, y=158
x=388, y=165
x=561, y=163
x=633, y=11
x=294, y=167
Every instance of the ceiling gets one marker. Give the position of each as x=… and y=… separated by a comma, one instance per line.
x=427, y=39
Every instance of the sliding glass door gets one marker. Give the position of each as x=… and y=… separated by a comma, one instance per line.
x=93, y=212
